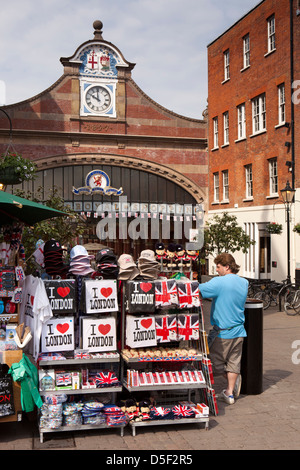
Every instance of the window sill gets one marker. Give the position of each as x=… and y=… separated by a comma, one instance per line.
x=241, y=139
x=226, y=80
x=215, y=203
x=258, y=133
x=270, y=52
x=226, y=201
x=282, y=124
x=272, y=196
x=213, y=149
x=245, y=68
x=224, y=145
x=248, y=199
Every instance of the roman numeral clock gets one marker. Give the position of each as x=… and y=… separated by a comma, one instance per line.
x=98, y=99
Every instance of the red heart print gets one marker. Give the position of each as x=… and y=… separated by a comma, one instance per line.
x=106, y=291
x=63, y=291
x=104, y=329
x=62, y=327
x=145, y=286
x=146, y=323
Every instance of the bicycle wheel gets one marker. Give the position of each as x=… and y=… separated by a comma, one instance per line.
x=292, y=301
x=264, y=297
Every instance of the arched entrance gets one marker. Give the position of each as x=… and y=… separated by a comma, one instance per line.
x=156, y=204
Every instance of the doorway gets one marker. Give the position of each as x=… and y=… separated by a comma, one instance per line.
x=264, y=255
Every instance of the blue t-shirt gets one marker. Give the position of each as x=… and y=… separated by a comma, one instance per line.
x=229, y=294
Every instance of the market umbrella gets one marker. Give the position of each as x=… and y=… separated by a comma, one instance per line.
x=23, y=210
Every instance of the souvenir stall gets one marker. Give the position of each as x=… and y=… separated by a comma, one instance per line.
x=14, y=336
x=117, y=342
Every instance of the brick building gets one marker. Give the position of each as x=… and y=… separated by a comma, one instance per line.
x=254, y=129
x=95, y=118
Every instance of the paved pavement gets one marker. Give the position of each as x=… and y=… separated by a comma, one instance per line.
x=268, y=421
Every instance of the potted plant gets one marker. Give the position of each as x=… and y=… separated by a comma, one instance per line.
x=273, y=227
x=297, y=228
x=14, y=169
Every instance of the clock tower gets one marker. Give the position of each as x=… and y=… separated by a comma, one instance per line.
x=101, y=68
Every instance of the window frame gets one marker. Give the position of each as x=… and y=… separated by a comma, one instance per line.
x=273, y=177
x=246, y=51
x=226, y=56
x=271, y=33
x=241, y=121
x=249, y=181
x=216, y=132
x=259, y=121
x=281, y=104
x=216, y=177
x=225, y=182
x=226, y=128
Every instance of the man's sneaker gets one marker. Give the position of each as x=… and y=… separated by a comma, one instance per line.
x=228, y=399
x=237, y=387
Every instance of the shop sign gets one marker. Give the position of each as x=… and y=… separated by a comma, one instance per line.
x=99, y=335
x=58, y=335
x=140, y=331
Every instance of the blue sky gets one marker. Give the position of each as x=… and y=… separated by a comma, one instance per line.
x=166, y=39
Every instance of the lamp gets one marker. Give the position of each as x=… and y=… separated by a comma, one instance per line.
x=288, y=195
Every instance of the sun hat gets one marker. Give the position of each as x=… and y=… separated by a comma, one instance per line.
x=148, y=255
x=80, y=250
x=126, y=262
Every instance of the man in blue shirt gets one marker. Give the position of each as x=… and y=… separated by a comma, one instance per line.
x=228, y=293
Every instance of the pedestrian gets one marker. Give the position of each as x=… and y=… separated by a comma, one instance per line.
x=228, y=292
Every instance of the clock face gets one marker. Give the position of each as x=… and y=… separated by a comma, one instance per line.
x=98, y=98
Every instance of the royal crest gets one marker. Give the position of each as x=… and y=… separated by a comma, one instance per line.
x=97, y=182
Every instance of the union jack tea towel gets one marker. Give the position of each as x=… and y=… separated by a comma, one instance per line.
x=140, y=296
x=182, y=411
x=166, y=328
x=187, y=326
x=188, y=294
x=165, y=293
x=62, y=295
x=100, y=296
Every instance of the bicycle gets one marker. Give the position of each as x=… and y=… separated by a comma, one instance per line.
x=292, y=300
x=272, y=293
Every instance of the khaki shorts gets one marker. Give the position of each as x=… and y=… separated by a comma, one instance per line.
x=226, y=355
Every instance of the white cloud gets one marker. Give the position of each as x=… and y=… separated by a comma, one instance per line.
x=167, y=39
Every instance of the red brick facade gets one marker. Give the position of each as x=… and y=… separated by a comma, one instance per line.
x=254, y=87
x=49, y=129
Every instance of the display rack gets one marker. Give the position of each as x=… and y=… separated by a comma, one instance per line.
x=175, y=389
x=92, y=391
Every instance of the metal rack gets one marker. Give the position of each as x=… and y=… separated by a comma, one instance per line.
x=175, y=389
x=92, y=391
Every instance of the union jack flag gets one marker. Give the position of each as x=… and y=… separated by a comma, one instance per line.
x=63, y=379
x=188, y=326
x=105, y=379
x=182, y=411
x=166, y=328
x=165, y=292
x=188, y=294
x=160, y=413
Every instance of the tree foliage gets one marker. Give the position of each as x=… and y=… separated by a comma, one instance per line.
x=222, y=233
x=63, y=229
